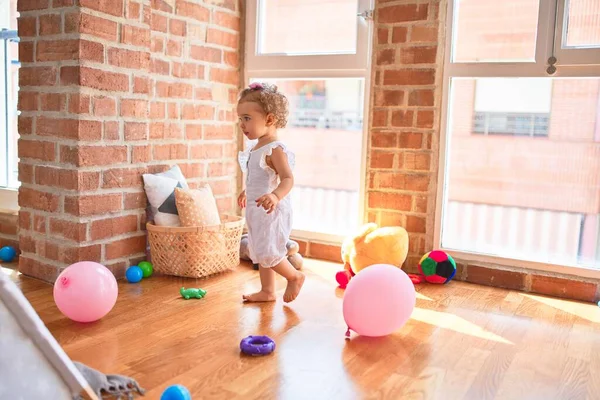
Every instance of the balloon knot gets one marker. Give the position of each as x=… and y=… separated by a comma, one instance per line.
x=64, y=281
x=348, y=334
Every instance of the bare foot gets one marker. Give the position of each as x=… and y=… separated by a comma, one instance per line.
x=293, y=287
x=259, y=297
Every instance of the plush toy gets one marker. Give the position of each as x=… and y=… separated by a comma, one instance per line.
x=372, y=245
x=293, y=253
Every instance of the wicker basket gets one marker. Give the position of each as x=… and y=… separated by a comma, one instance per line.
x=196, y=252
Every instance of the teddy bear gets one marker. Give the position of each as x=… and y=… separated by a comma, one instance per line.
x=293, y=253
x=372, y=245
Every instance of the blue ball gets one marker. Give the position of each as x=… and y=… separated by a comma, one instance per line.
x=134, y=274
x=7, y=254
x=176, y=392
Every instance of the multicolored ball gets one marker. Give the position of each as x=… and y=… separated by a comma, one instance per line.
x=437, y=267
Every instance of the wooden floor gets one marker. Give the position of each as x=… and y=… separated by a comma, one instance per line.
x=462, y=342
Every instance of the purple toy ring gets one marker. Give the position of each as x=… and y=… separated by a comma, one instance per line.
x=257, y=345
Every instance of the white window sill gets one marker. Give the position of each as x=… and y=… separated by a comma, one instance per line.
x=9, y=200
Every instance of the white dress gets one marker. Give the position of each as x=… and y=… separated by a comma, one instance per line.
x=268, y=234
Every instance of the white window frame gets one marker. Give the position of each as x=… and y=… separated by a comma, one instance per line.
x=9, y=199
x=571, y=55
x=8, y=190
x=310, y=66
x=280, y=66
x=566, y=66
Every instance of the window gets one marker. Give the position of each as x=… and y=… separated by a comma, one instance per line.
x=507, y=123
x=512, y=107
x=279, y=33
x=520, y=170
x=582, y=24
x=9, y=66
x=321, y=66
x=495, y=31
x=577, y=32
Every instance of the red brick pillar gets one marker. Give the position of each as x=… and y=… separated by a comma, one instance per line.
x=406, y=104
x=110, y=90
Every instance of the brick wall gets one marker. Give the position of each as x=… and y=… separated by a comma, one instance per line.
x=406, y=105
x=110, y=90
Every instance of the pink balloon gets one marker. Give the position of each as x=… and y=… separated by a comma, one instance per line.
x=379, y=300
x=85, y=291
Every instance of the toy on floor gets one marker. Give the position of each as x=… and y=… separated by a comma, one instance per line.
x=85, y=291
x=35, y=366
x=293, y=253
x=7, y=253
x=192, y=292
x=378, y=301
x=176, y=392
x=112, y=385
x=257, y=345
x=435, y=267
x=146, y=268
x=134, y=274
x=343, y=277
x=372, y=245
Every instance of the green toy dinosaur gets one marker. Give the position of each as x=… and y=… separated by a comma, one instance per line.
x=192, y=292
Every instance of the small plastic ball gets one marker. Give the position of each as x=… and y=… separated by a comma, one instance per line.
x=134, y=274
x=146, y=268
x=7, y=253
x=176, y=392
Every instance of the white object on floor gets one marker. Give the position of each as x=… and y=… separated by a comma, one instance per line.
x=33, y=365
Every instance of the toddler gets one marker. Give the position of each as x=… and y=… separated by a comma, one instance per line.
x=262, y=109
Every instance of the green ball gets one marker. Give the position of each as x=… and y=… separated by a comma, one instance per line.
x=146, y=268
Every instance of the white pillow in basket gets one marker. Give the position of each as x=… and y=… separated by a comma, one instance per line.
x=160, y=190
x=197, y=207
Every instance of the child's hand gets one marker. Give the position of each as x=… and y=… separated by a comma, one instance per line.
x=268, y=202
x=242, y=199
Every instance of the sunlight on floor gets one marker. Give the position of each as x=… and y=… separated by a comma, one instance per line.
x=455, y=323
x=327, y=271
x=9, y=271
x=323, y=269
x=423, y=297
x=589, y=312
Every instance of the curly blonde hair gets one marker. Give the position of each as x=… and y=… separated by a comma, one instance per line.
x=270, y=100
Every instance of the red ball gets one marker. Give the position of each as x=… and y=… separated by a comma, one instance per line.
x=342, y=278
